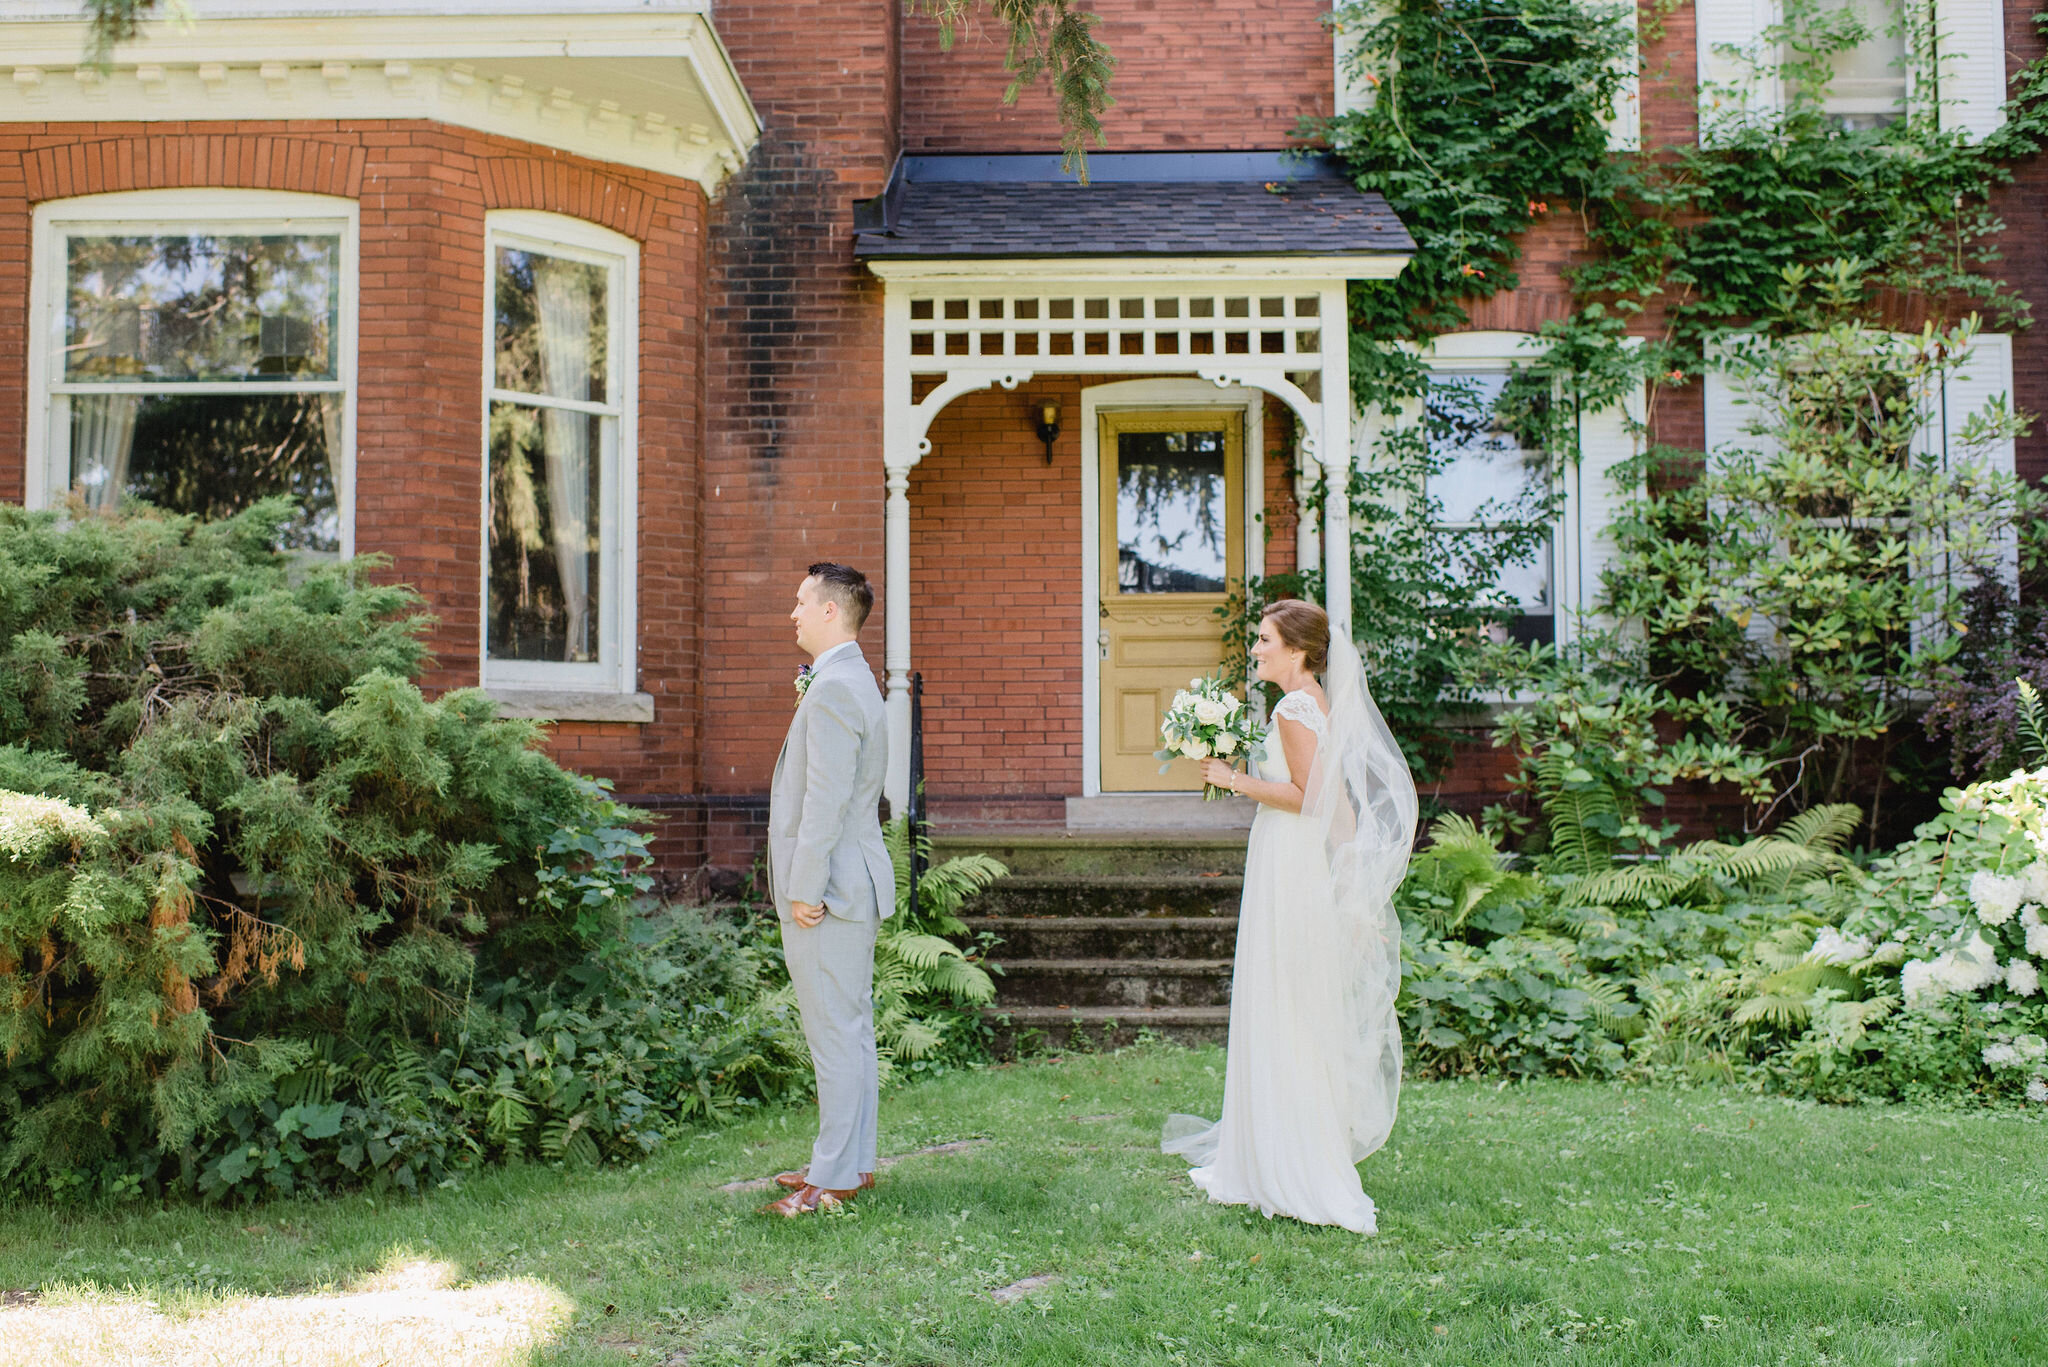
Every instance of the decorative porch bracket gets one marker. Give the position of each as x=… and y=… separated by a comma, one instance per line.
x=969, y=325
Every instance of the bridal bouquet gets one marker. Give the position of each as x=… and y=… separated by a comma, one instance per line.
x=1207, y=719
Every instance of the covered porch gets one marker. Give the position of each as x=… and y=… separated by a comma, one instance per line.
x=1105, y=406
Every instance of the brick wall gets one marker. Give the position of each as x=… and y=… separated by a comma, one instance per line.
x=1190, y=75
x=2024, y=207
x=424, y=189
x=793, y=385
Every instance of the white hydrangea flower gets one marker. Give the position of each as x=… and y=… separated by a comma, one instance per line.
x=2037, y=1090
x=1226, y=744
x=2022, y=979
x=2037, y=932
x=2032, y=1048
x=1972, y=966
x=2036, y=876
x=1830, y=946
x=1996, y=896
x=1917, y=983
x=2001, y=1056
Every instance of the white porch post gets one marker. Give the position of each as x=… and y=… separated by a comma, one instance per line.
x=899, y=453
x=1333, y=448
x=1308, y=539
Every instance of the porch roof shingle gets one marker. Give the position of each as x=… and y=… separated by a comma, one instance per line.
x=1136, y=204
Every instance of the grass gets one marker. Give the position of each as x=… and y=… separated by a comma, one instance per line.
x=1534, y=1223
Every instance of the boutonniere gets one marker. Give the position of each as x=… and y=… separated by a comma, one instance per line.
x=803, y=681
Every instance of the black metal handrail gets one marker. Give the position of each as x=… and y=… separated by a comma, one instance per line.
x=914, y=813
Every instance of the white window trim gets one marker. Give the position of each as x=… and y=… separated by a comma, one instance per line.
x=559, y=690
x=47, y=471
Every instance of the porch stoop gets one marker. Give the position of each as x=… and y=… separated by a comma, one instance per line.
x=1113, y=933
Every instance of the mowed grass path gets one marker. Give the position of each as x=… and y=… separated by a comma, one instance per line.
x=1545, y=1222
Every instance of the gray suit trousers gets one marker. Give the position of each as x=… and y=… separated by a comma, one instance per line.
x=832, y=967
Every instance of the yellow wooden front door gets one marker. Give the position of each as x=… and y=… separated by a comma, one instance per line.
x=1172, y=520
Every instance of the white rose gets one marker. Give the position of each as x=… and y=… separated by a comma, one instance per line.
x=1194, y=683
x=1226, y=744
x=1183, y=699
x=2022, y=979
x=1195, y=749
x=1230, y=703
x=1209, y=712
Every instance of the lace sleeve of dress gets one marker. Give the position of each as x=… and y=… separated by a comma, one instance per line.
x=1301, y=708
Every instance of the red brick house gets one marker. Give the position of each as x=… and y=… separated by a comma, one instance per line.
x=601, y=319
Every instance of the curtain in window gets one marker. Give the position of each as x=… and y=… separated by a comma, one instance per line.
x=102, y=439
x=562, y=290
x=337, y=468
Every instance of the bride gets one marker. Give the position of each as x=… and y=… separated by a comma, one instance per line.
x=1314, y=1068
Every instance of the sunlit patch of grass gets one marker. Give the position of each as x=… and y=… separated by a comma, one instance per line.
x=1533, y=1223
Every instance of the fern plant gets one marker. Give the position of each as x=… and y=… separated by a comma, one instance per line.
x=2031, y=720
x=1461, y=875
x=928, y=989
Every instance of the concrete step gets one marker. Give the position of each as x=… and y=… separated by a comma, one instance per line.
x=1023, y=938
x=1115, y=982
x=1059, y=852
x=1022, y=1028
x=1123, y=894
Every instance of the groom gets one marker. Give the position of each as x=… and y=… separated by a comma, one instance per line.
x=831, y=880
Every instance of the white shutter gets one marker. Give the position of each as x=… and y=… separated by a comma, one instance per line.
x=1348, y=27
x=1737, y=79
x=1625, y=118
x=1969, y=49
x=1984, y=377
x=1608, y=439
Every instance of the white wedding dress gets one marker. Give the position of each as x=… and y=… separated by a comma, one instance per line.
x=1313, y=1069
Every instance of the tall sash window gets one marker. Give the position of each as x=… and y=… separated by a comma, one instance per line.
x=197, y=353
x=558, y=459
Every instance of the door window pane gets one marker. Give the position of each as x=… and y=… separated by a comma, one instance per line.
x=201, y=306
x=1171, y=535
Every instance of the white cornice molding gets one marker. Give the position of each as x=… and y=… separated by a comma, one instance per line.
x=650, y=89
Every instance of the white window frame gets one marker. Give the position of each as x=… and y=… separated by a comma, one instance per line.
x=1967, y=64
x=603, y=689
x=238, y=212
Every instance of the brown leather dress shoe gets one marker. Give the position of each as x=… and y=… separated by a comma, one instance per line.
x=806, y=1199
x=800, y=1178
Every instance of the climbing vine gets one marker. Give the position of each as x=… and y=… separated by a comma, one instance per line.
x=1486, y=119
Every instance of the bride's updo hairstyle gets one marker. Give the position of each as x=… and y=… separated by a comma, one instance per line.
x=1303, y=627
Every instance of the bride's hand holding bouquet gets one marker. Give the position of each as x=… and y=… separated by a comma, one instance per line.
x=1207, y=722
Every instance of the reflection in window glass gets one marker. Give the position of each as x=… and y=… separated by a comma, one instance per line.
x=1867, y=82
x=1489, y=485
x=549, y=454
x=213, y=455
x=153, y=320
x=201, y=307
x=1170, y=512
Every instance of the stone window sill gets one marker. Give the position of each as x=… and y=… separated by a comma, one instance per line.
x=550, y=704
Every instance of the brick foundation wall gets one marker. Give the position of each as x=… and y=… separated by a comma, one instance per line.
x=1190, y=75
x=423, y=191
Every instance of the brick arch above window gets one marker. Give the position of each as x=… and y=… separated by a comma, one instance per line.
x=181, y=161
x=573, y=191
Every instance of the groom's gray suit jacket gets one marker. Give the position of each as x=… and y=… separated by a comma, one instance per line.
x=824, y=833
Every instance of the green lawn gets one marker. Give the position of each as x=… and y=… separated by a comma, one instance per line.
x=1531, y=1223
